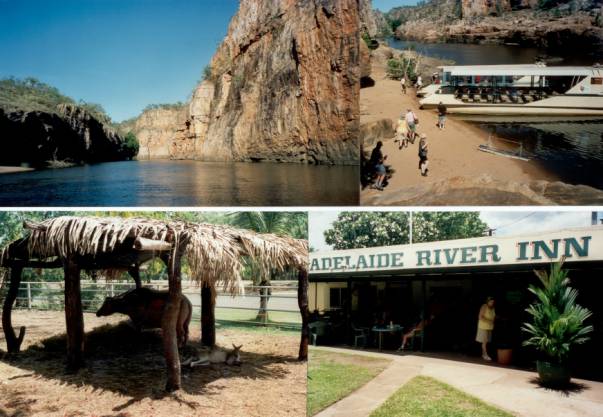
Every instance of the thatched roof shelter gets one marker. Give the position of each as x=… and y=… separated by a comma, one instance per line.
x=216, y=255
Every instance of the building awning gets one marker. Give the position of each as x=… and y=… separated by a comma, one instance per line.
x=520, y=70
x=484, y=254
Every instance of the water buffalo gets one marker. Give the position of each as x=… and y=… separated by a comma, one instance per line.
x=145, y=307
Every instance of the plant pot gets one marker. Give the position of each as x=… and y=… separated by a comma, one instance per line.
x=504, y=356
x=553, y=374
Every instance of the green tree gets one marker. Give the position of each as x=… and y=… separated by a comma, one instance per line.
x=130, y=145
x=354, y=230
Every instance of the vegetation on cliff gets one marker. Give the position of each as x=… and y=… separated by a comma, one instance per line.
x=540, y=23
x=30, y=94
x=49, y=129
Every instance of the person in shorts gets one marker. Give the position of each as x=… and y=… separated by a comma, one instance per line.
x=377, y=162
x=442, y=110
x=411, y=124
x=485, y=326
x=423, y=162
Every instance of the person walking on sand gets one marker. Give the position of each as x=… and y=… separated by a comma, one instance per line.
x=441, y=115
x=419, y=83
x=423, y=162
x=411, y=124
x=485, y=325
x=401, y=133
x=377, y=162
x=403, y=84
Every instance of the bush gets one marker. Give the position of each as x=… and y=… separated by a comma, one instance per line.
x=207, y=73
x=557, y=320
x=130, y=145
x=397, y=67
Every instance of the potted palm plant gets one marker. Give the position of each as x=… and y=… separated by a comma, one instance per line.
x=557, y=324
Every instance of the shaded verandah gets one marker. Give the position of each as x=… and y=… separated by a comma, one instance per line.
x=215, y=254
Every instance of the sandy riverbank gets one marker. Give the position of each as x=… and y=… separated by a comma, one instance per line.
x=453, y=152
x=10, y=170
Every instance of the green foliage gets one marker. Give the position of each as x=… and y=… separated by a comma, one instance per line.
x=557, y=320
x=428, y=397
x=130, y=145
x=165, y=106
x=370, y=42
x=207, y=73
x=333, y=376
x=369, y=229
x=401, y=66
x=393, y=23
x=30, y=94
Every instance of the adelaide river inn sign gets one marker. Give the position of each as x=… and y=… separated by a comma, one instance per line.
x=585, y=244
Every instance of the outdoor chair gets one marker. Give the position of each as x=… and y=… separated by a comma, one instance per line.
x=317, y=329
x=360, y=333
x=418, y=334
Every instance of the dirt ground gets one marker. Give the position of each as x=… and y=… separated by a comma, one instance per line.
x=452, y=152
x=125, y=373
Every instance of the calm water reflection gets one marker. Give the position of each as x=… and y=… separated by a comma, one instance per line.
x=468, y=54
x=182, y=183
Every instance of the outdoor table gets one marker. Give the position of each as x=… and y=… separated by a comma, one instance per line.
x=386, y=329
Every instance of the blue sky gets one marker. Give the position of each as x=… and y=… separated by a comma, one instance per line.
x=387, y=5
x=122, y=54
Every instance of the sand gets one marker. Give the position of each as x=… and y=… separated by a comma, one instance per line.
x=452, y=152
x=10, y=170
x=125, y=373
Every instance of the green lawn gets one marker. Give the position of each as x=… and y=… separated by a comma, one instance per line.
x=333, y=376
x=427, y=397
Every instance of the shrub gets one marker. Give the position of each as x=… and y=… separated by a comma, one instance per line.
x=557, y=320
x=130, y=145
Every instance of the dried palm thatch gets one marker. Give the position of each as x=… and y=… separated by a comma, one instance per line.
x=215, y=253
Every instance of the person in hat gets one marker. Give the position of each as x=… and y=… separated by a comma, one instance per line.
x=423, y=162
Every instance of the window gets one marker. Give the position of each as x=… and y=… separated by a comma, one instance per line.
x=337, y=297
x=596, y=81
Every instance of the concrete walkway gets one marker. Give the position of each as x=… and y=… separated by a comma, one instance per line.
x=509, y=389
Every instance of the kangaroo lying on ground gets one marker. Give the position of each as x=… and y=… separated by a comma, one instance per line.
x=145, y=308
x=215, y=355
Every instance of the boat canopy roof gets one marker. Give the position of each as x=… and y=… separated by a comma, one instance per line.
x=521, y=70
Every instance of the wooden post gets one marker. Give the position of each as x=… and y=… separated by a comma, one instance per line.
x=169, y=323
x=74, y=316
x=13, y=342
x=302, y=301
x=208, y=316
x=135, y=273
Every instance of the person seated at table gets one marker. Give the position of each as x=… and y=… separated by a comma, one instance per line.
x=420, y=326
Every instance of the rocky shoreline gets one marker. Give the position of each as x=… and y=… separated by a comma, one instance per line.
x=67, y=137
x=577, y=25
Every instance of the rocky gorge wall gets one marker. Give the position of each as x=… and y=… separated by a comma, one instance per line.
x=574, y=24
x=283, y=86
x=71, y=135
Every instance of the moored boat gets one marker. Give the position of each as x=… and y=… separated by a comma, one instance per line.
x=517, y=90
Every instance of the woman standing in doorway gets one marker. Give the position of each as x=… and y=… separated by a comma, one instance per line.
x=485, y=325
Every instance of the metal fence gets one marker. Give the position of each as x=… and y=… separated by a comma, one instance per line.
x=281, y=309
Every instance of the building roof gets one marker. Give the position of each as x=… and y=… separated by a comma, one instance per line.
x=215, y=253
x=521, y=70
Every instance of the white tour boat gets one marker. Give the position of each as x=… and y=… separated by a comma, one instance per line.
x=518, y=90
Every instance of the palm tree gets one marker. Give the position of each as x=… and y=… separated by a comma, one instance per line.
x=281, y=223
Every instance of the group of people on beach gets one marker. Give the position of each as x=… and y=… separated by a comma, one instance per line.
x=406, y=133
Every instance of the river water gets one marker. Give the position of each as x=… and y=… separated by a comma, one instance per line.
x=571, y=149
x=181, y=184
